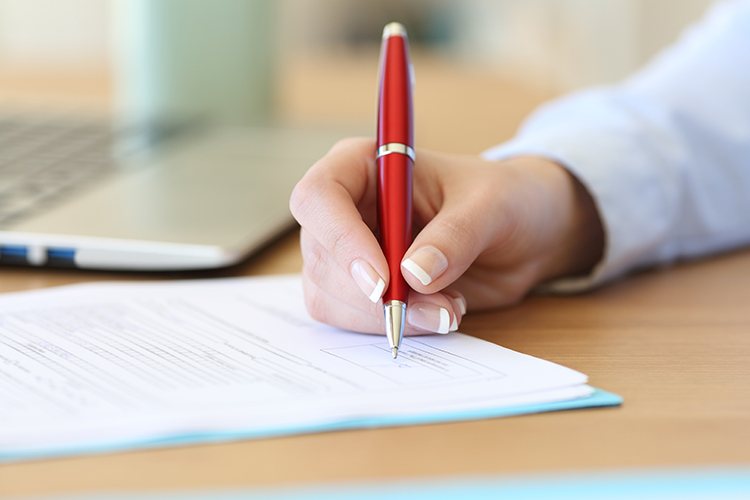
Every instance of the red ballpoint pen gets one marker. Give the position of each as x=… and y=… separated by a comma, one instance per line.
x=395, y=159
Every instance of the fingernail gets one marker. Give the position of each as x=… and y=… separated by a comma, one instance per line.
x=368, y=280
x=427, y=264
x=454, y=325
x=430, y=317
x=461, y=303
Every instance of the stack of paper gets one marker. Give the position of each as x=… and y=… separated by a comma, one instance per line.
x=103, y=367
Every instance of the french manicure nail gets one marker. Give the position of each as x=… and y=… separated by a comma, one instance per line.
x=430, y=317
x=461, y=303
x=367, y=279
x=426, y=264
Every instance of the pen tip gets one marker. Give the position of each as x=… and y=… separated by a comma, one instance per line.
x=395, y=352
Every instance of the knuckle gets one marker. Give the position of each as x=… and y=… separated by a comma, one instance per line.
x=302, y=197
x=315, y=263
x=312, y=305
x=315, y=303
x=296, y=200
x=327, y=235
x=315, y=299
x=341, y=242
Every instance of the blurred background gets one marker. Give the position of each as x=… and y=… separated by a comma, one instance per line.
x=481, y=65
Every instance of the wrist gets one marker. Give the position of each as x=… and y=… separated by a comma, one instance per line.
x=576, y=235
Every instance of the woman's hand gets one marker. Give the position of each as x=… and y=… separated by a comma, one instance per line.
x=487, y=233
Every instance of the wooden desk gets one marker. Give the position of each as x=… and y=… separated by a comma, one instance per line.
x=674, y=343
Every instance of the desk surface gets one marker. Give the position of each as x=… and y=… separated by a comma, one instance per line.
x=674, y=343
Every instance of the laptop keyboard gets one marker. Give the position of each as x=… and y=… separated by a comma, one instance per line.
x=44, y=160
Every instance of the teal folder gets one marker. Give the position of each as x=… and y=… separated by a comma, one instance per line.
x=599, y=398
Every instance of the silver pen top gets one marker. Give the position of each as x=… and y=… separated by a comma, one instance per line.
x=394, y=29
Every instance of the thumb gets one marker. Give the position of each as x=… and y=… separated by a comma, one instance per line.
x=443, y=250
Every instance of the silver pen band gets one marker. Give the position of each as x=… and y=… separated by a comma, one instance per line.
x=395, y=147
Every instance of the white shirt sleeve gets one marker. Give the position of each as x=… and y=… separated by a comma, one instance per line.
x=665, y=155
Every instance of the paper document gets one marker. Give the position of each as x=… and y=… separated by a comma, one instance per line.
x=99, y=367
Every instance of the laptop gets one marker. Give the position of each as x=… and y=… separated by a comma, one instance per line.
x=204, y=199
x=196, y=197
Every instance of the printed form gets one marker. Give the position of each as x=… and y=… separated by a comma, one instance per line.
x=127, y=364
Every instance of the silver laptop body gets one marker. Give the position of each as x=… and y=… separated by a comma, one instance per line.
x=207, y=199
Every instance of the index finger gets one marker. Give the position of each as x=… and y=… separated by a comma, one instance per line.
x=327, y=203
